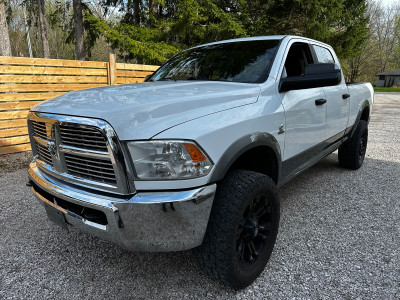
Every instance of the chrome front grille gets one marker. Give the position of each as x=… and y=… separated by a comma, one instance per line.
x=92, y=168
x=80, y=150
x=40, y=129
x=86, y=138
x=44, y=154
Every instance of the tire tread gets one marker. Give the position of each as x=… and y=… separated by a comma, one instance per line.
x=211, y=255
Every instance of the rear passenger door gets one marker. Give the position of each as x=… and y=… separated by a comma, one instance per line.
x=305, y=121
x=338, y=101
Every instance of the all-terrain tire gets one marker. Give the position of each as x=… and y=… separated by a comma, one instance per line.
x=242, y=229
x=352, y=153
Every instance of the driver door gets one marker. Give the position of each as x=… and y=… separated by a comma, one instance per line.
x=305, y=126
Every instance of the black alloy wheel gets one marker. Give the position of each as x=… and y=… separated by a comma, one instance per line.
x=254, y=230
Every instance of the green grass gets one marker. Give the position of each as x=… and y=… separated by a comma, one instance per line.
x=386, y=90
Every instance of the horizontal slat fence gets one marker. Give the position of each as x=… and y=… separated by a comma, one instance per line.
x=132, y=73
x=25, y=82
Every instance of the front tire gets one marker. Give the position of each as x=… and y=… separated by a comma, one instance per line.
x=352, y=153
x=242, y=229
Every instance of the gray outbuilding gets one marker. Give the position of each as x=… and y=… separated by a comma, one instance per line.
x=388, y=79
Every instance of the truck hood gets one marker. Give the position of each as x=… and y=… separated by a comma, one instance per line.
x=140, y=111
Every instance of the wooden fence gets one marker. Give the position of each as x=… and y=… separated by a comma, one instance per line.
x=25, y=82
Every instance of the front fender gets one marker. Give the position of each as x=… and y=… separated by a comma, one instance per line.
x=242, y=145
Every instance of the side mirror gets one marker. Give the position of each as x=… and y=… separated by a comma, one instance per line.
x=147, y=77
x=316, y=75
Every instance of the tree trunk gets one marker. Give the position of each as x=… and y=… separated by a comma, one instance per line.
x=5, y=46
x=136, y=12
x=79, y=44
x=43, y=29
x=153, y=7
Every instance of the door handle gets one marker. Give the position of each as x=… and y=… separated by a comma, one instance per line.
x=345, y=96
x=320, y=101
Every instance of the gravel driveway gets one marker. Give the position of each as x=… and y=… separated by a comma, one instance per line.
x=339, y=239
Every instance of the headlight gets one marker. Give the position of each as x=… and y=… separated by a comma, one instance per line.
x=163, y=160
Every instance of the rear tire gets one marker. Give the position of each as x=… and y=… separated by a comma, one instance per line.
x=242, y=229
x=352, y=153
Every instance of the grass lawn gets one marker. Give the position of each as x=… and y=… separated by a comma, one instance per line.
x=386, y=90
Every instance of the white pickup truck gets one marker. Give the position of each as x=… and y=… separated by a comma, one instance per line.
x=192, y=157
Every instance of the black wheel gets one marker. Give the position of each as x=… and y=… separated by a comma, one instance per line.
x=352, y=153
x=242, y=229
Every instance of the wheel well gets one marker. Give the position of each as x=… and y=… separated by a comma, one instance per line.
x=260, y=159
x=365, y=114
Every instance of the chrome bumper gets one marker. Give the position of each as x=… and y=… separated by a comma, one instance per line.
x=148, y=221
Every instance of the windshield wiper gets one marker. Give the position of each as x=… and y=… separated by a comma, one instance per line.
x=165, y=79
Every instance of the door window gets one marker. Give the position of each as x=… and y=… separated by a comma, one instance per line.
x=323, y=55
x=298, y=57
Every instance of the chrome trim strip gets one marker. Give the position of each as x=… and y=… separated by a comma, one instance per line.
x=41, y=141
x=123, y=174
x=83, y=152
x=196, y=195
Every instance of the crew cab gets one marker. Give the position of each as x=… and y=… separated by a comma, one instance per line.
x=192, y=158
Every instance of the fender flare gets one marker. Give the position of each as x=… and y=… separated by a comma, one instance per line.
x=360, y=111
x=242, y=145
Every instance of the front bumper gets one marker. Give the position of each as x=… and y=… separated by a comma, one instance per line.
x=147, y=221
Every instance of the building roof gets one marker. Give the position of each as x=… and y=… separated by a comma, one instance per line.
x=393, y=72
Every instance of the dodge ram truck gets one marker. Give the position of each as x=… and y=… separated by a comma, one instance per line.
x=192, y=157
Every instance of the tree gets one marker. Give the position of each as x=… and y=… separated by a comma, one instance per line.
x=141, y=43
x=181, y=24
x=79, y=33
x=136, y=11
x=340, y=23
x=378, y=53
x=5, y=46
x=43, y=28
x=153, y=9
x=384, y=27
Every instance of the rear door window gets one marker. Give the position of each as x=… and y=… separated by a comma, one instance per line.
x=323, y=55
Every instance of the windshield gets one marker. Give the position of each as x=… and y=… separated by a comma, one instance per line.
x=247, y=62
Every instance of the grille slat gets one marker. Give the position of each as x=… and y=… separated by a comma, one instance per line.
x=87, y=143
x=83, y=160
x=44, y=154
x=86, y=138
x=90, y=168
x=78, y=128
x=39, y=124
x=92, y=177
x=91, y=173
x=85, y=132
x=73, y=136
x=39, y=129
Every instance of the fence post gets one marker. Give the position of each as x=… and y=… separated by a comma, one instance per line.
x=112, y=70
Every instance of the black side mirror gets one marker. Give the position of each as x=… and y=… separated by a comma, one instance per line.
x=147, y=77
x=316, y=75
